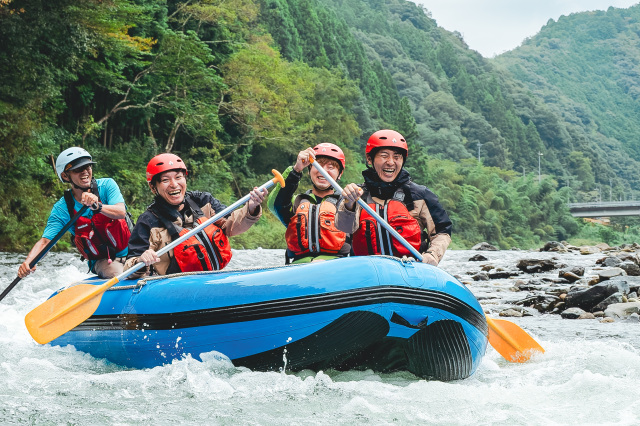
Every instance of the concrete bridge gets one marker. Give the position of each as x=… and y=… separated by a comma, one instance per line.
x=615, y=208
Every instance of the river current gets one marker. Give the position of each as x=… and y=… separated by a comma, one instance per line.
x=590, y=373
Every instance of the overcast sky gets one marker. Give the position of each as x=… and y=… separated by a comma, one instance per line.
x=495, y=26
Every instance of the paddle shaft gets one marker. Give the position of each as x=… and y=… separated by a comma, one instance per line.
x=45, y=250
x=200, y=227
x=369, y=210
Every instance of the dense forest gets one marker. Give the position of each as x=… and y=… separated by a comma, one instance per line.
x=238, y=88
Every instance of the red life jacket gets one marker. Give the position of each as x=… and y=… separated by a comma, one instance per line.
x=312, y=230
x=372, y=238
x=98, y=237
x=207, y=250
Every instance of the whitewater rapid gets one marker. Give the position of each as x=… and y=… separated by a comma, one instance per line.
x=588, y=375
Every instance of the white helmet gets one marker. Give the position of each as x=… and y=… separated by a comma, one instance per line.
x=71, y=159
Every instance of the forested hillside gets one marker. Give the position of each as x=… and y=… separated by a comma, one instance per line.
x=586, y=67
x=238, y=88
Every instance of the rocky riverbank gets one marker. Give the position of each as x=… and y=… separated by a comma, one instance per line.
x=590, y=282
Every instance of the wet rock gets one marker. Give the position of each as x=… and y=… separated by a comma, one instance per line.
x=630, y=268
x=589, y=250
x=603, y=246
x=578, y=270
x=611, y=261
x=588, y=298
x=569, y=276
x=622, y=310
x=629, y=257
x=607, y=319
x=541, y=302
x=531, y=285
x=511, y=313
x=484, y=246
x=480, y=276
x=554, y=246
x=614, y=298
x=487, y=268
x=532, y=266
x=607, y=274
x=598, y=314
x=572, y=313
x=503, y=274
x=478, y=258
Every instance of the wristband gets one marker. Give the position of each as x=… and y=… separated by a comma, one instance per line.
x=97, y=209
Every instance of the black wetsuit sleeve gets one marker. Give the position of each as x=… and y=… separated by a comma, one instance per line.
x=139, y=241
x=438, y=213
x=204, y=198
x=283, y=203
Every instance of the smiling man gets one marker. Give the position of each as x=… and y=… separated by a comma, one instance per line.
x=101, y=234
x=411, y=209
x=174, y=212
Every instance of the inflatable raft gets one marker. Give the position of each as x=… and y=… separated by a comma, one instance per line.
x=354, y=313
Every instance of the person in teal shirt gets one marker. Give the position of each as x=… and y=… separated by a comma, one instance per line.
x=102, y=233
x=310, y=217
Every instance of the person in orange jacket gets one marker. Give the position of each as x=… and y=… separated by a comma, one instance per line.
x=310, y=217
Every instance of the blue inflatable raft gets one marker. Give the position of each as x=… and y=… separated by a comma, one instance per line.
x=354, y=313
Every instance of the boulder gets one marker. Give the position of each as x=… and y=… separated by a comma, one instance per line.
x=611, y=261
x=484, y=246
x=478, y=258
x=622, y=310
x=568, y=275
x=607, y=274
x=588, y=298
x=554, y=246
x=572, y=313
x=631, y=268
x=614, y=298
x=480, y=276
x=589, y=250
x=532, y=266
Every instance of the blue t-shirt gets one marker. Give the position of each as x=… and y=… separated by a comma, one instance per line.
x=109, y=194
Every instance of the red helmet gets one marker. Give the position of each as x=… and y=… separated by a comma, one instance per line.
x=330, y=150
x=387, y=139
x=164, y=162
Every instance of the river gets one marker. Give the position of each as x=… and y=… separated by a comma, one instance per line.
x=590, y=373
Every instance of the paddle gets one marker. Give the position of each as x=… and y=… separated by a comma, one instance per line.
x=72, y=306
x=46, y=249
x=511, y=341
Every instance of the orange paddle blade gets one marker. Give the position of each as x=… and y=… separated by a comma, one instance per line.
x=65, y=311
x=511, y=341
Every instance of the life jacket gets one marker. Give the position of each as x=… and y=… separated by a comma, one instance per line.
x=207, y=250
x=312, y=229
x=98, y=237
x=372, y=238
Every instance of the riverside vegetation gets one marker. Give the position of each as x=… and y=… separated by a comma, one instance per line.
x=237, y=88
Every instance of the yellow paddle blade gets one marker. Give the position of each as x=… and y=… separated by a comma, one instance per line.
x=511, y=341
x=65, y=311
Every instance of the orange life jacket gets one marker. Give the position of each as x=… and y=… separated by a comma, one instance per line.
x=207, y=250
x=312, y=229
x=372, y=238
x=98, y=237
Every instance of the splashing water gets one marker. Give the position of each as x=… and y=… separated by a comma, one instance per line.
x=588, y=375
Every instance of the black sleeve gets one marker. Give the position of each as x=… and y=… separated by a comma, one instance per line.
x=283, y=203
x=139, y=241
x=204, y=198
x=438, y=213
